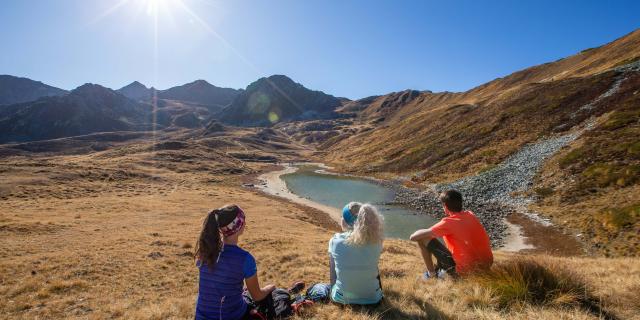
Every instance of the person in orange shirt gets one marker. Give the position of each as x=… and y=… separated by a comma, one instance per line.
x=466, y=244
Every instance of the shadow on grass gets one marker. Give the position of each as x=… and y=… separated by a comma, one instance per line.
x=389, y=310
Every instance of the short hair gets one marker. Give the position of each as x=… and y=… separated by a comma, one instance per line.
x=452, y=199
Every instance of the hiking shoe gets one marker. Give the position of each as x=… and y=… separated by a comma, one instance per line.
x=440, y=274
x=296, y=287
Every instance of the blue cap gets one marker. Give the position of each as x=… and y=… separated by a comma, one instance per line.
x=348, y=217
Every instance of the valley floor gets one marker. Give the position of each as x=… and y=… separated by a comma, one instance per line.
x=124, y=250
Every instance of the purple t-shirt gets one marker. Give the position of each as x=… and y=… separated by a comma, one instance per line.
x=220, y=288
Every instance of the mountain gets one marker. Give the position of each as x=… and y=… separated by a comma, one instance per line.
x=429, y=130
x=17, y=90
x=277, y=99
x=87, y=109
x=581, y=114
x=201, y=92
x=136, y=91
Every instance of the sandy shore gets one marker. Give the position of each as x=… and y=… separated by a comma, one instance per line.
x=273, y=185
x=515, y=239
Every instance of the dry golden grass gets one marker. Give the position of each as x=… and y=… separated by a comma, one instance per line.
x=121, y=248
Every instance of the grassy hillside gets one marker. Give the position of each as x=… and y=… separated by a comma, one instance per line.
x=441, y=137
x=121, y=247
x=599, y=177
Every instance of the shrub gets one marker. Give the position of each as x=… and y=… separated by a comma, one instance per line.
x=488, y=153
x=615, y=219
x=620, y=119
x=634, y=149
x=521, y=281
x=543, y=191
x=572, y=157
x=605, y=174
x=488, y=168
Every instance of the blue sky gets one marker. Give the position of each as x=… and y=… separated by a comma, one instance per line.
x=347, y=48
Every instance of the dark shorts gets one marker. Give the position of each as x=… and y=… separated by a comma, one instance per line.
x=275, y=305
x=443, y=257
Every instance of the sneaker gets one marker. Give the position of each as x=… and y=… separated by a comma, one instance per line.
x=440, y=274
x=296, y=287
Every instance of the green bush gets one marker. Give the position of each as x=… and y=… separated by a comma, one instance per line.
x=572, y=157
x=615, y=219
x=634, y=149
x=543, y=191
x=488, y=153
x=606, y=174
x=487, y=168
x=620, y=119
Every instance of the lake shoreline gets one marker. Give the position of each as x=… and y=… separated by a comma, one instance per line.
x=512, y=239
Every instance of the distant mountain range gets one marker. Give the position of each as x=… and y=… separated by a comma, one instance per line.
x=86, y=109
x=17, y=90
x=45, y=112
x=277, y=99
x=199, y=92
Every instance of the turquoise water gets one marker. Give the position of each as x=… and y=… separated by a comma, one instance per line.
x=336, y=191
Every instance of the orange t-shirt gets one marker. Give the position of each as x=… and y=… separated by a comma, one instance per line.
x=467, y=240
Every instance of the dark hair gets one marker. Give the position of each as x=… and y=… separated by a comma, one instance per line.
x=453, y=200
x=209, y=243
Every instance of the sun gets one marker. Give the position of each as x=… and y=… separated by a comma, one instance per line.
x=153, y=7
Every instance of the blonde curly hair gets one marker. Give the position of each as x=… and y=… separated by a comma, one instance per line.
x=368, y=228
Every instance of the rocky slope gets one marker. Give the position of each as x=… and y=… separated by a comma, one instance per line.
x=278, y=99
x=18, y=90
x=442, y=137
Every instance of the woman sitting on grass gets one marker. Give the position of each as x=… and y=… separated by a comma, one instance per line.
x=353, y=259
x=224, y=267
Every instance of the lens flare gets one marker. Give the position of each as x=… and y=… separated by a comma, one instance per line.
x=273, y=117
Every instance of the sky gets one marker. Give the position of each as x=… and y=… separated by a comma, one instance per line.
x=348, y=48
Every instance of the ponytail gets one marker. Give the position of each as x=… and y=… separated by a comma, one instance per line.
x=209, y=243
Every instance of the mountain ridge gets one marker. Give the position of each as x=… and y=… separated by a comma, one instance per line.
x=17, y=90
x=277, y=98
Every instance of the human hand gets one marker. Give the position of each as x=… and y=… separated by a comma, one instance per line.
x=269, y=288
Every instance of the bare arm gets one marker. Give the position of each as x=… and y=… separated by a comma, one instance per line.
x=255, y=291
x=332, y=270
x=422, y=235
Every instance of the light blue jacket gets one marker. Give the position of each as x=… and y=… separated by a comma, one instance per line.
x=356, y=271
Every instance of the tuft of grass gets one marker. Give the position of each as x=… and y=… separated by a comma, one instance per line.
x=61, y=286
x=620, y=119
x=487, y=168
x=615, y=219
x=607, y=174
x=634, y=149
x=523, y=281
x=488, y=153
x=543, y=192
x=571, y=157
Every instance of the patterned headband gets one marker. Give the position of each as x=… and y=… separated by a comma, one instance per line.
x=234, y=226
